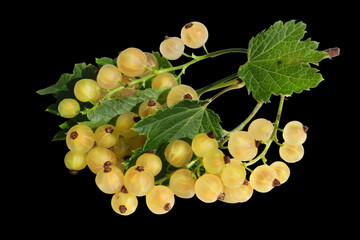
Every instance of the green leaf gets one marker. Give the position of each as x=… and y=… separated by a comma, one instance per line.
x=105, y=60
x=164, y=63
x=183, y=120
x=108, y=110
x=81, y=70
x=278, y=62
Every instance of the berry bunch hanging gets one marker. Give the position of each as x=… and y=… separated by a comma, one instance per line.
x=144, y=133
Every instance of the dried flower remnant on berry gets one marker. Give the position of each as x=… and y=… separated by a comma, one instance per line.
x=140, y=168
x=167, y=207
x=151, y=103
x=74, y=135
x=122, y=209
x=187, y=96
x=109, y=129
x=189, y=25
x=211, y=134
x=276, y=183
x=136, y=118
x=226, y=159
x=124, y=190
x=221, y=196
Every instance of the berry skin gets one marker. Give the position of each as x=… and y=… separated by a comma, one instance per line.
x=261, y=129
x=69, y=108
x=295, y=133
x=182, y=183
x=110, y=179
x=109, y=77
x=203, y=143
x=178, y=153
x=282, y=171
x=149, y=107
x=132, y=62
x=75, y=161
x=214, y=161
x=164, y=80
x=179, y=93
x=87, y=90
x=151, y=162
x=194, y=34
x=160, y=199
x=242, y=146
x=152, y=62
x=80, y=138
x=138, y=180
x=264, y=178
x=209, y=188
x=238, y=195
x=98, y=156
x=125, y=122
x=106, y=136
x=233, y=175
x=291, y=153
x=172, y=48
x=124, y=203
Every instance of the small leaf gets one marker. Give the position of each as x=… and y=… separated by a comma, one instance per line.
x=278, y=62
x=105, y=60
x=81, y=70
x=110, y=109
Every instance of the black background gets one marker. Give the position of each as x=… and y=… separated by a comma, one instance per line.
x=314, y=200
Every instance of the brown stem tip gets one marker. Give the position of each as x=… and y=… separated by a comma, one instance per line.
x=332, y=52
x=306, y=128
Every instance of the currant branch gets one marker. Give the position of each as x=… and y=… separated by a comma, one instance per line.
x=162, y=140
x=180, y=67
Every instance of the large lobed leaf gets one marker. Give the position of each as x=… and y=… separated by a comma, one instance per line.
x=278, y=62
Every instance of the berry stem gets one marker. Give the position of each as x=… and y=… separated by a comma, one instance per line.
x=224, y=82
x=163, y=179
x=237, y=85
x=180, y=67
x=205, y=56
x=273, y=135
x=205, y=49
x=243, y=124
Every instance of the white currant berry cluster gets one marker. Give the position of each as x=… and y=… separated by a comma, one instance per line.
x=215, y=177
x=211, y=165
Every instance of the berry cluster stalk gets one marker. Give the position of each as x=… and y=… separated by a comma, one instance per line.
x=180, y=67
x=273, y=135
